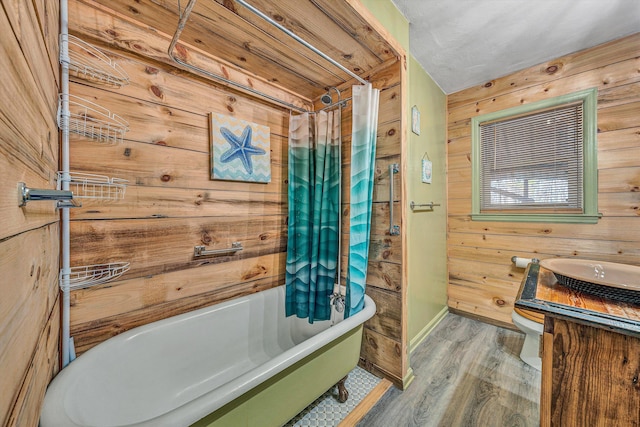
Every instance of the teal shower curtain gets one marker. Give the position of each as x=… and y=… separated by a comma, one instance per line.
x=314, y=212
x=363, y=154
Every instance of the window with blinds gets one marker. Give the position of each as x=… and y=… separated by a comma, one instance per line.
x=537, y=162
x=533, y=161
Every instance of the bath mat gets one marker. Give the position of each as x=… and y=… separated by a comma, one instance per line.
x=326, y=411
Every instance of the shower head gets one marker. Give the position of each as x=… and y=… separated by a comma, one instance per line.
x=326, y=99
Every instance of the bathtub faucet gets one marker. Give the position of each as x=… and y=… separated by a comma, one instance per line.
x=337, y=300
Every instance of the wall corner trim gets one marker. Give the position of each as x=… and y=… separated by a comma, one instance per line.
x=408, y=378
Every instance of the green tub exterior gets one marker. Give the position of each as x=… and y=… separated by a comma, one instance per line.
x=282, y=397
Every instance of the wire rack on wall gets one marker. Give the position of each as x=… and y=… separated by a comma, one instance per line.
x=99, y=187
x=91, y=275
x=89, y=63
x=91, y=120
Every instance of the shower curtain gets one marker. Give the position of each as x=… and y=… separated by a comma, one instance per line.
x=314, y=212
x=363, y=154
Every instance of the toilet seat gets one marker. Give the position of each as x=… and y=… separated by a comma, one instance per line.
x=531, y=315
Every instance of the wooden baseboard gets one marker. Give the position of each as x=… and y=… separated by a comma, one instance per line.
x=367, y=403
x=381, y=373
x=484, y=319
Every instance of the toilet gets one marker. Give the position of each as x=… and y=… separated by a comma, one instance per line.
x=532, y=324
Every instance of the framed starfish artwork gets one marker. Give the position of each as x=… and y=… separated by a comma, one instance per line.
x=240, y=150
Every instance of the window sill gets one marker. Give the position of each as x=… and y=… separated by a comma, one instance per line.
x=529, y=217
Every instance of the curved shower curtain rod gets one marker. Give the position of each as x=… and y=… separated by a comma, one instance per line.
x=183, y=21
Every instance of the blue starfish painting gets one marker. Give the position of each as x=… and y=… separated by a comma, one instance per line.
x=240, y=150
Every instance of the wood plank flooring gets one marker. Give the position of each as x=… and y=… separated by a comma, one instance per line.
x=468, y=373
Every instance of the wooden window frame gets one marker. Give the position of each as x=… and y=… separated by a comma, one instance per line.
x=589, y=213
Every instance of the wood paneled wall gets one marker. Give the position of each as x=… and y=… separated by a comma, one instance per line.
x=172, y=205
x=482, y=280
x=29, y=236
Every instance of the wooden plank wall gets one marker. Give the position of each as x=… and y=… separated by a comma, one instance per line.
x=482, y=280
x=171, y=204
x=29, y=236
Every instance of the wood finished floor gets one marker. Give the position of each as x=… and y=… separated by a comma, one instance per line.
x=467, y=373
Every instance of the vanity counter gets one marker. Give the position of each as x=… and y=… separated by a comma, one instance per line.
x=541, y=292
x=590, y=351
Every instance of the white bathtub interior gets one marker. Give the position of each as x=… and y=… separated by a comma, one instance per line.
x=233, y=338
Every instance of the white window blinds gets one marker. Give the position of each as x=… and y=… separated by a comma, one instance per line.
x=533, y=162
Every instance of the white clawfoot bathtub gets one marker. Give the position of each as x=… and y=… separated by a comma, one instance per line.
x=176, y=371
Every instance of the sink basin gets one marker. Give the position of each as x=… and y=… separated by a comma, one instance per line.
x=604, y=279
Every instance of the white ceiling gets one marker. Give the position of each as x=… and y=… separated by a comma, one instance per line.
x=463, y=43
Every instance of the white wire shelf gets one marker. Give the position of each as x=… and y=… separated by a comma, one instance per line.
x=91, y=275
x=89, y=186
x=88, y=62
x=91, y=120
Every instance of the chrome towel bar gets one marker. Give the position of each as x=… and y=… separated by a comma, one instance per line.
x=429, y=205
x=202, y=250
x=394, y=230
